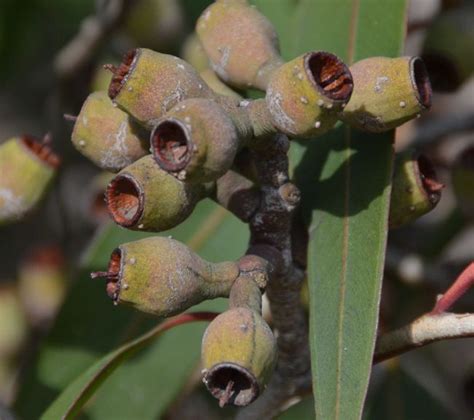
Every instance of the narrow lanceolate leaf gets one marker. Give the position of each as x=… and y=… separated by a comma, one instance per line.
x=345, y=178
x=73, y=398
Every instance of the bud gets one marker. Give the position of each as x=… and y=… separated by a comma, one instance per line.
x=462, y=177
x=196, y=141
x=161, y=276
x=42, y=284
x=144, y=197
x=305, y=95
x=448, y=48
x=106, y=135
x=148, y=84
x=238, y=356
x=28, y=167
x=387, y=93
x=240, y=42
x=415, y=189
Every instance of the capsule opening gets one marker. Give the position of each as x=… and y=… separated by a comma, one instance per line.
x=122, y=72
x=124, y=200
x=429, y=179
x=41, y=150
x=170, y=145
x=421, y=82
x=332, y=77
x=232, y=384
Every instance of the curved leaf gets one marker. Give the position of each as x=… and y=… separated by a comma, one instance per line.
x=73, y=398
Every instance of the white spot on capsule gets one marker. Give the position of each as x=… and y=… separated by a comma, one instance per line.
x=304, y=100
x=141, y=226
x=82, y=143
x=132, y=260
x=181, y=66
x=329, y=106
x=317, y=124
x=403, y=104
x=320, y=102
x=130, y=89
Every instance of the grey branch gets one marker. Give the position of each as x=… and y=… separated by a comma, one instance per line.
x=94, y=31
x=424, y=330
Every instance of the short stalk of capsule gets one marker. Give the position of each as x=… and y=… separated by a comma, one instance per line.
x=387, y=93
x=106, y=135
x=28, y=167
x=415, y=189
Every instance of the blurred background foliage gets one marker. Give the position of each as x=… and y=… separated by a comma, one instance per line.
x=40, y=356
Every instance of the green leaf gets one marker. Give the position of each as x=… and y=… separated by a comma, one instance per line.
x=73, y=398
x=89, y=327
x=345, y=180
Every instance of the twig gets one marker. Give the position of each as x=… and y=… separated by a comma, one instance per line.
x=424, y=330
x=271, y=226
x=434, y=326
x=94, y=31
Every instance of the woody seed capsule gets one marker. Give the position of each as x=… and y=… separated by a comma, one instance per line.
x=196, y=141
x=162, y=276
x=305, y=95
x=148, y=84
x=387, y=93
x=145, y=197
x=415, y=189
x=27, y=170
x=106, y=135
x=243, y=54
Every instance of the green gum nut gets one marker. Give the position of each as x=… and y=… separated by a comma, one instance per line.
x=415, y=189
x=147, y=84
x=161, y=276
x=145, y=197
x=305, y=95
x=238, y=356
x=106, y=135
x=27, y=168
x=387, y=93
x=240, y=42
x=462, y=178
x=196, y=141
x=448, y=48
